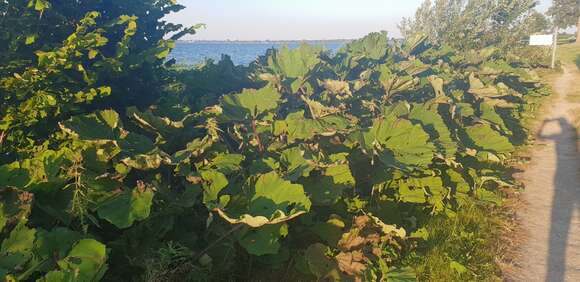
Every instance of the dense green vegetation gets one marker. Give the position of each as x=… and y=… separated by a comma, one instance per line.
x=304, y=165
x=469, y=24
x=60, y=58
x=477, y=24
x=566, y=13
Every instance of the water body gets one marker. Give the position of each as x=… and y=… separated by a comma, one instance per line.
x=242, y=53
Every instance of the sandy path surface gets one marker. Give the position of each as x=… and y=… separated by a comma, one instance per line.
x=552, y=180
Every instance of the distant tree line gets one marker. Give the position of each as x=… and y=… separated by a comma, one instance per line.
x=472, y=24
x=566, y=13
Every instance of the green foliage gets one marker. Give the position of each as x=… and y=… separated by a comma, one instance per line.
x=326, y=165
x=85, y=262
x=122, y=210
x=250, y=103
x=475, y=24
x=61, y=58
x=462, y=247
x=565, y=13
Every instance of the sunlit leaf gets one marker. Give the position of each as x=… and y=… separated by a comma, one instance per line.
x=129, y=206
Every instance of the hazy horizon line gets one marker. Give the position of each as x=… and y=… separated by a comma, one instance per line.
x=272, y=40
x=266, y=40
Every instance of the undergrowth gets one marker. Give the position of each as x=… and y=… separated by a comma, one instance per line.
x=463, y=247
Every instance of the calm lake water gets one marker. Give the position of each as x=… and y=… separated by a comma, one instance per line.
x=192, y=53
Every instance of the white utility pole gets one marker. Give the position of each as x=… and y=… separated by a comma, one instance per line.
x=554, y=47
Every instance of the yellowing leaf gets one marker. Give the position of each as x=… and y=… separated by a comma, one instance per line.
x=30, y=39
x=93, y=54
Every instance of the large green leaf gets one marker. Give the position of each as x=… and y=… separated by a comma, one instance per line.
x=214, y=182
x=135, y=144
x=13, y=175
x=327, y=188
x=295, y=163
x=250, y=103
x=264, y=240
x=415, y=44
x=273, y=200
x=56, y=242
x=227, y=163
x=406, y=144
x=374, y=46
x=434, y=124
x=296, y=126
x=272, y=194
x=49, y=245
x=20, y=240
x=125, y=208
x=489, y=113
x=485, y=138
x=393, y=82
x=87, y=261
x=479, y=89
x=16, y=250
x=293, y=63
x=419, y=189
x=93, y=127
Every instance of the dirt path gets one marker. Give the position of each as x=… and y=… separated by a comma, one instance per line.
x=552, y=218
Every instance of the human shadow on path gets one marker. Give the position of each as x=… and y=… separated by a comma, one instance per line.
x=566, y=195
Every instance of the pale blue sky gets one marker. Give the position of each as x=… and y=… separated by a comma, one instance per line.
x=295, y=19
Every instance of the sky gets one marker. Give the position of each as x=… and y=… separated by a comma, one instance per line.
x=295, y=19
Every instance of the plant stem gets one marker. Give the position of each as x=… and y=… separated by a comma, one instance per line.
x=260, y=146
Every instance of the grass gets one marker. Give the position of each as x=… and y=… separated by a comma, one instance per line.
x=569, y=54
x=464, y=247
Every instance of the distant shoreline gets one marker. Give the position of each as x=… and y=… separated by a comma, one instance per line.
x=263, y=41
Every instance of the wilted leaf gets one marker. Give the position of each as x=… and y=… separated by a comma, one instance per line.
x=352, y=263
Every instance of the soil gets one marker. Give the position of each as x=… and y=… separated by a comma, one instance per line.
x=551, y=217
